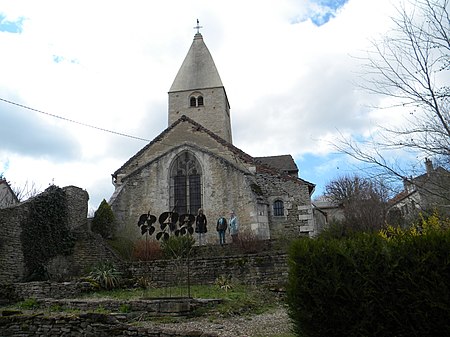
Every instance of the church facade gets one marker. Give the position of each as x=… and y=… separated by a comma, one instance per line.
x=193, y=164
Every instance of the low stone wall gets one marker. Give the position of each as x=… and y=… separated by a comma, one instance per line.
x=263, y=269
x=268, y=269
x=83, y=325
x=175, y=306
x=48, y=289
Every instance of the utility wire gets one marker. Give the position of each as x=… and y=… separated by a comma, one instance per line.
x=72, y=121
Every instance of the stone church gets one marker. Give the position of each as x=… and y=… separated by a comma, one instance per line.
x=193, y=164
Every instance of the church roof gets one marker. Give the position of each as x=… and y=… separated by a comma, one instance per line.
x=198, y=70
x=260, y=166
x=284, y=162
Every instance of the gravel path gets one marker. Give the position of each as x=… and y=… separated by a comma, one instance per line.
x=263, y=325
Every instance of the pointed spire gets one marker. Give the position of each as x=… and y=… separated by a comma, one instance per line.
x=198, y=70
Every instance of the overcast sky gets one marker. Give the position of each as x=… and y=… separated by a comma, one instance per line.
x=289, y=67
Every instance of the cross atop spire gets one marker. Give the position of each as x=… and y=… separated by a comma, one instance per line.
x=198, y=27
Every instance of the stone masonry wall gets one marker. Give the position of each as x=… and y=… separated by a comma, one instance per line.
x=264, y=269
x=82, y=325
x=46, y=289
x=11, y=255
x=225, y=188
x=297, y=220
x=214, y=115
x=11, y=249
x=89, y=249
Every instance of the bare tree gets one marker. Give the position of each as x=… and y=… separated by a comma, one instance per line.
x=26, y=191
x=411, y=67
x=364, y=201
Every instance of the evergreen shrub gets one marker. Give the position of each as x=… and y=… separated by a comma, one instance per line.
x=366, y=285
x=103, y=222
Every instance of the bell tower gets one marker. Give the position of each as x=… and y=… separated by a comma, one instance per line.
x=198, y=92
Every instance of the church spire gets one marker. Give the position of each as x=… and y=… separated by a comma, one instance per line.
x=198, y=92
x=198, y=70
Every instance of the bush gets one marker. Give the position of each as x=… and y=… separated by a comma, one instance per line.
x=105, y=275
x=249, y=243
x=366, y=285
x=103, y=222
x=336, y=230
x=147, y=250
x=177, y=246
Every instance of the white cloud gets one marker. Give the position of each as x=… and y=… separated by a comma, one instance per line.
x=111, y=63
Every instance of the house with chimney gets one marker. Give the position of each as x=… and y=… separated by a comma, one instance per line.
x=423, y=193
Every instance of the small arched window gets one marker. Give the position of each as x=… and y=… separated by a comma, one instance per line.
x=278, y=208
x=193, y=101
x=200, y=100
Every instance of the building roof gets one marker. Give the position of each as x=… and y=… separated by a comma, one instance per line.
x=284, y=162
x=7, y=195
x=198, y=70
x=260, y=166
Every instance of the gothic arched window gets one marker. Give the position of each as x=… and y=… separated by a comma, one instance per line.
x=193, y=101
x=185, y=184
x=200, y=101
x=278, y=208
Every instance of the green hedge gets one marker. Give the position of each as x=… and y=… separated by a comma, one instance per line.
x=368, y=286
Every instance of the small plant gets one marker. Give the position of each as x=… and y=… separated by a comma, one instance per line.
x=125, y=308
x=105, y=275
x=145, y=283
x=29, y=303
x=224, y=282
x=56, y=308
x=101, y=310
x=177, y=246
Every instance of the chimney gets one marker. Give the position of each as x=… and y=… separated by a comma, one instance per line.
x=408, y=187
x=429, y=166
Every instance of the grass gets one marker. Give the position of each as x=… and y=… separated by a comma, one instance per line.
x=239, y=300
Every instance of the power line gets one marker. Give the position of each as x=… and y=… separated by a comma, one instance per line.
x=72, y=121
